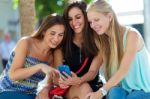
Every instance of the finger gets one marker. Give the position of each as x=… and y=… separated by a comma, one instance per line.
x=57, y=72
x=64, y=86
x=61, y=81
x=63, y=77
x=73, y=74
x=67, y=75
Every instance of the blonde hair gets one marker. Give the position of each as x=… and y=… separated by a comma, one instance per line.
x=111, y=46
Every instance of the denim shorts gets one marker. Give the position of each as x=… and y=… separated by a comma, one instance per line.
x=16, y=95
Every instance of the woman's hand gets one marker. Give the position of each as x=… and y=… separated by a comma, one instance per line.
x=43, y=94
x=62, y=82
x=70, y=80
x=47, y=69
x=94, y=95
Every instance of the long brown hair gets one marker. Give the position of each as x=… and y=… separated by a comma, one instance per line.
x=111, y=46
x=88, y=45
x=48, y=22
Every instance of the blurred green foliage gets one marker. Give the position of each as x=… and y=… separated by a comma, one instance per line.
x=15, y=4
x=45, y=7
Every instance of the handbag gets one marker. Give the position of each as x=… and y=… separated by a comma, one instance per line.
x=61, y=91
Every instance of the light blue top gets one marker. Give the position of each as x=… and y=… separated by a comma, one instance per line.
x=138, y=77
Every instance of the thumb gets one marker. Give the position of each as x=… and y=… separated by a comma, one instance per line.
x=73, y=74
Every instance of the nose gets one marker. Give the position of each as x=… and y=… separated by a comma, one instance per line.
x=74, y=21
x=92, y=24
x=56, y=38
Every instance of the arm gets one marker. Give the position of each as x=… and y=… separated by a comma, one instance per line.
x=90, y=75
x=48, y=79
x=94, y=69
x=128, y=57
x=46, y=85
x=17, y=70
x=130, y=52
x=58, y=58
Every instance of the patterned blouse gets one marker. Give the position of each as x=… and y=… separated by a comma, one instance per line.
x=28, y=85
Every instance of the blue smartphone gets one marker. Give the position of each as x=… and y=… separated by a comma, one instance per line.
x=64, y=68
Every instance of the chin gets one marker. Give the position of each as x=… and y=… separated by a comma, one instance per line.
x=100, y=33
x=78, y=31
x=53, y=46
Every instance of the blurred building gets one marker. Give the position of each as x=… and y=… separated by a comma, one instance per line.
x=9, y=19
x=135, y=13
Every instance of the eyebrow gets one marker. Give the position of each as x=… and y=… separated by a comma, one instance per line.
x=53, y=31
x=58, y=33
x=75, y=15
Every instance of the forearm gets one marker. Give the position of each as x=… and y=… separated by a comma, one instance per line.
x=23, y=73
x=90, y=75
x=121, y=73
x=115, y=80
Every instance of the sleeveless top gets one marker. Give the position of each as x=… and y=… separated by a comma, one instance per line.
x=139, y=72
x=28, y=85
x=76, y=60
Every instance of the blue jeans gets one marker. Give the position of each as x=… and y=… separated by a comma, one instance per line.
x=119, y=93
x=16, y=95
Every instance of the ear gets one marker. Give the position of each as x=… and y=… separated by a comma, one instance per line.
x=110, y=16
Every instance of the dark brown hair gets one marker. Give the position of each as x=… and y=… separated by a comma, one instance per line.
x=88, y=45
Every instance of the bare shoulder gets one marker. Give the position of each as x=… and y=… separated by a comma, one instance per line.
x=134, y=38
x=23, y=43
x=133, y=34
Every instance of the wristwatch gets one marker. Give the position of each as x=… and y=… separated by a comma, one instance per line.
x=103, y=91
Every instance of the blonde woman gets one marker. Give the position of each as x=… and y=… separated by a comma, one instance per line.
x=125, y=58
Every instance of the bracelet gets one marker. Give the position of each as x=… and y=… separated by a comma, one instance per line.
x=103, y=91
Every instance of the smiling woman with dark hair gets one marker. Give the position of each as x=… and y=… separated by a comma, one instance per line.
x=75, y=50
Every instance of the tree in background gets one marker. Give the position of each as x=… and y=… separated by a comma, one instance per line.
x=45, y=7
x=27, y=16
x=40, y=8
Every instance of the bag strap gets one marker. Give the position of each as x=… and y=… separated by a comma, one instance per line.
x=83, y=65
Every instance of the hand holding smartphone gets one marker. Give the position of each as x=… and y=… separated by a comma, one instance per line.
x=64, y=68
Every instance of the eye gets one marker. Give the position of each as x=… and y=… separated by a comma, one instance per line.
x=61, y=34
x=52, y=33
x=78, y=17
x=96, y=19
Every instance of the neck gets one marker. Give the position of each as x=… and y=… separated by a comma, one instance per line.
x=44, y=48
x=78, y=39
